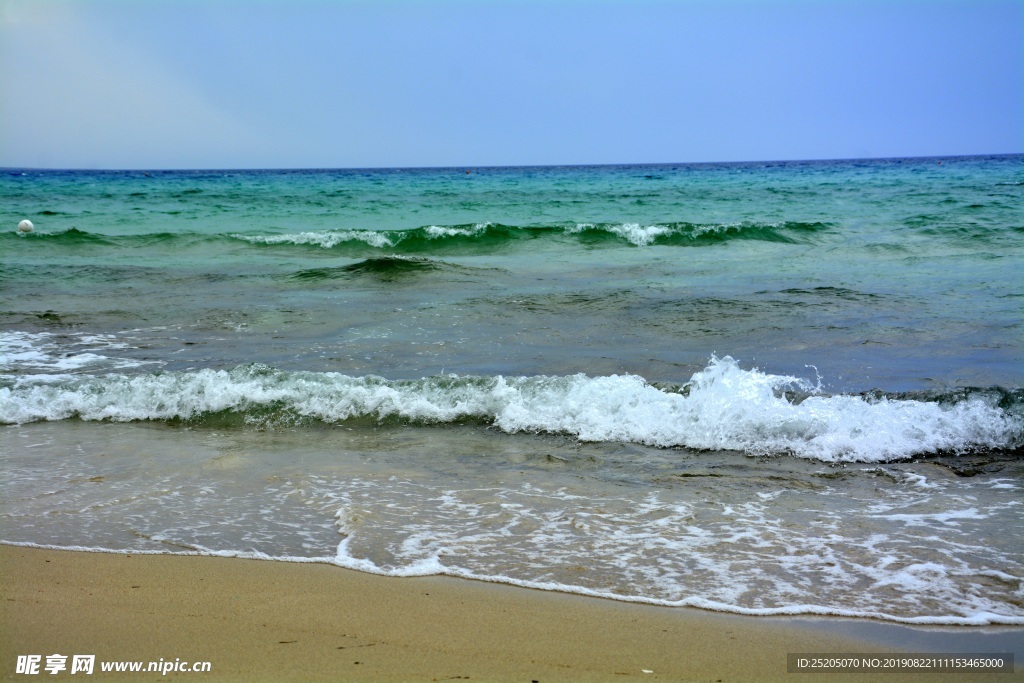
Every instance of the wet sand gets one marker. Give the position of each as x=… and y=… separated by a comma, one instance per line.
x=257, y=620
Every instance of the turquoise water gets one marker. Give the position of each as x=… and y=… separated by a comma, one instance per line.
x=766, y=388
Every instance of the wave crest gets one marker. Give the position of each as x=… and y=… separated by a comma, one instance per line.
x=471, y=237
x=723, y=407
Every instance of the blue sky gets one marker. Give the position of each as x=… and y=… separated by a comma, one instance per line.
x=360, y=83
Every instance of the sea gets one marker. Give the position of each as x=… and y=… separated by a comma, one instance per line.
x=774, y=388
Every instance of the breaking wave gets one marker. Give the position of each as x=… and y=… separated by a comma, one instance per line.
x=722, y=407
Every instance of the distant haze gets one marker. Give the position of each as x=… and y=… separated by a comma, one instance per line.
x=274, y=84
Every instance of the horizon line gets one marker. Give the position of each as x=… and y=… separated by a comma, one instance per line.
x=499, y=166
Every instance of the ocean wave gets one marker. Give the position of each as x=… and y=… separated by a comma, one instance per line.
x=384, y=268
x=77, y=238
x=476, y=236
x=70, y=236
x=326, y=239
x=461, y=238
x=690, y=234
x=432, y=238
x=722, y=407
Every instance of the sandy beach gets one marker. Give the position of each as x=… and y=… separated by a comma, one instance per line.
x=258, y=620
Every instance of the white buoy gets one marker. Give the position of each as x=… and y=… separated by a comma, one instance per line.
x=26, y=226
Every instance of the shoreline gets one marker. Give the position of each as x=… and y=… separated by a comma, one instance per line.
x=265, y=620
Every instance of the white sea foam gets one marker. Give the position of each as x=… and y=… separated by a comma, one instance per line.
x=726, y=408
x=739, y=549
x=645, y=235
x=975, y=616
x=670, y=553
x=326, y=238
x=38, y=352
x=640, y=235
x=949, y=517
x=441, y=231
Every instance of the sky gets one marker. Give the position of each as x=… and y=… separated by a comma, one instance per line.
x=132, y=84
